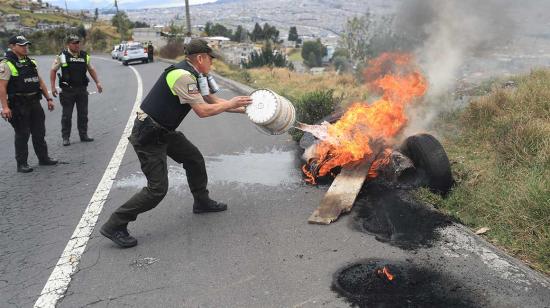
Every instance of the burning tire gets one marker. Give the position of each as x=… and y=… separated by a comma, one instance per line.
x=429, y=156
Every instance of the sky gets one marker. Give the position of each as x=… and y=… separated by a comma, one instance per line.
x=122, y=4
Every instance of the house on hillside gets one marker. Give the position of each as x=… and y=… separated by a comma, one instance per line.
x=236, y=53
x=11, y=22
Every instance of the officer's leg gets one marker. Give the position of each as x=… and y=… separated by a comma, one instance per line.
x=186, y=153
x=67, y=103
x=38, y=130
x=153, y=164
x=82, y=113
x=21, y=125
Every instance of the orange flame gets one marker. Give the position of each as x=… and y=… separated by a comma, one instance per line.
x=352, y=138
x=385, y=272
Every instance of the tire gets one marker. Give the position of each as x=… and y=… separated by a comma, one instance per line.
x=428, y=154
x=125, y=63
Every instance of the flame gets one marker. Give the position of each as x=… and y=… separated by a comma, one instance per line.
x=379, y=163
x=366, y=129
x=385, y=272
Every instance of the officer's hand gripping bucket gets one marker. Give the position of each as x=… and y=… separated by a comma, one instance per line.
x=272, y=113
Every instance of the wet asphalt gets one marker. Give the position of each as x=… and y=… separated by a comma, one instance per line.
x=260, y=253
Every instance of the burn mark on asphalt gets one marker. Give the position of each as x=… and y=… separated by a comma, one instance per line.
x=393, y=216
x=363, y=285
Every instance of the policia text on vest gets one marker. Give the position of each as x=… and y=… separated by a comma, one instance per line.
x=154, y=138
x=21, y=89
x=74, y=64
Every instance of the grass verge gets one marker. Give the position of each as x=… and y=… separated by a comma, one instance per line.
x=501, y=161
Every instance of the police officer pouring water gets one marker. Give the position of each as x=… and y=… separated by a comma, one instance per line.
x=20, y=92
x=181, y=88
x=74, y=64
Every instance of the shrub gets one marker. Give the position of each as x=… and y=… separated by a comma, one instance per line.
x=311, y=107
x=172, y=50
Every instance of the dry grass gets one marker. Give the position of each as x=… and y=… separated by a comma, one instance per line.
x=293, y=85
x=501, y=160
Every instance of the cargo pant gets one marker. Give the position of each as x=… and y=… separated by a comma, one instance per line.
x=152, y=146
x=69, y=97
x=28, y=119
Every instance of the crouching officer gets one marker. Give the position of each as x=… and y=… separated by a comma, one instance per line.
x=20, y=91
x=180, y=89
x=73, y=82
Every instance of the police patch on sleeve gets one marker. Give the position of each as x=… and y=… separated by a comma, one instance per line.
x=192, y=88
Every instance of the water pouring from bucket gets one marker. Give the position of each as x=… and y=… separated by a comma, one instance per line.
x=272, y=113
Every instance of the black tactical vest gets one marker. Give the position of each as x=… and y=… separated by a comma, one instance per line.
x=73, y=70
x=163, y=106
x=26, y=79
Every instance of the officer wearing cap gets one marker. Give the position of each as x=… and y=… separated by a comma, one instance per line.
x=180, y=89
x=74, y=64
x=20, y=92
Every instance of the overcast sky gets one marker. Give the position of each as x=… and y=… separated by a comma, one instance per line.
x=122, y=4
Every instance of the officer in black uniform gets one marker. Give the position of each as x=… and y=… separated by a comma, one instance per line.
x=20, y=91
x=180, y=88
x=74, y=64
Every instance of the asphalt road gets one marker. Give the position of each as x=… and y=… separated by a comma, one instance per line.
x=260, y=253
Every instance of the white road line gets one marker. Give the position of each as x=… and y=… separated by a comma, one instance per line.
x=59, y=280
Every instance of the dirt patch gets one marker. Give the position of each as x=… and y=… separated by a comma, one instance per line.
x=391, y=214
x=363, y=285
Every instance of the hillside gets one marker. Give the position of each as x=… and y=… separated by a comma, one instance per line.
x=30, y=19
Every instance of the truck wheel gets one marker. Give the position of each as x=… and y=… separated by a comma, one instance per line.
x=428, y=154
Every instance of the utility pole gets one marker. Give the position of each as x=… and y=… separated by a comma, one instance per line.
x=66, y=9
x=188, y=18
x=118, y=20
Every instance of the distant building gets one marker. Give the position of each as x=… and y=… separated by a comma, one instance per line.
x=216, y=41
x=236, y=53
x=12, y=22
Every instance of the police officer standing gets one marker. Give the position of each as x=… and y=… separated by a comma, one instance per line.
x=180, y=89
x=74, y=64
x=20, y=91
x=150, y=51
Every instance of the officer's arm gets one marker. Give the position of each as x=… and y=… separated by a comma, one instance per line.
x=93, y=73
x=4, y=94
x=207, y=110
x=213, y=99
x=44, y=90
x=53, y=70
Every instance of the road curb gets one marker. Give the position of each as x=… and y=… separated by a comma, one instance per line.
x=234, y=85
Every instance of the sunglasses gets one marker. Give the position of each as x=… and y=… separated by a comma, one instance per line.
x=75, y=43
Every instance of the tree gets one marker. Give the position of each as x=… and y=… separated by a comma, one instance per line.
x=257, y=34
x=96, y=14
x=270, y=33
x=267, y=57
x=81, y=31
x=313, y=53
x=293, y=34
x=122, y=23
x=240, y=34
x=357, y=37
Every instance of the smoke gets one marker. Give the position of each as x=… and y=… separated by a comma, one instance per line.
x=444, y=34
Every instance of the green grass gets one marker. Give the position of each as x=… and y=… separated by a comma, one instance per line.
x=296, y=55
x=499, y=147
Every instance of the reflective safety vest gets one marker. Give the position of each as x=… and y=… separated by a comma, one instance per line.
x=73, y=69
x=24, y=75
x=162, y=103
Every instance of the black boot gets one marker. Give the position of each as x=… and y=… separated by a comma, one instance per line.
x=85, y=138
x=121, y=236
x=66, y=142
x=47, y=162
x=208, y=205
x=24, y=168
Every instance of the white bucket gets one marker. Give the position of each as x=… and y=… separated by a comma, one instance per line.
x=272, y=113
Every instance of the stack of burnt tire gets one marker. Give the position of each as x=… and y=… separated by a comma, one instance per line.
x=432, y=167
